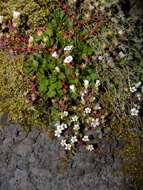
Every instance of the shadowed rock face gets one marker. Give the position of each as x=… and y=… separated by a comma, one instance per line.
x=32, y=162
x=132, y=7
x=129, y=7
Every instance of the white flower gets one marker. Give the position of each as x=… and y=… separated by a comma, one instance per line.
x=54, y=54
x=76, y=127
x=91, y=7
x=98, y=82
x=73, y=139
x=87, y=110
x=1, y=19
x=72, y=87
x=74, y=118
x=68, y=59
x=86, y=83
x=67, y=146
x=61, y=127
x=134, y=112
x=57, y=69
x=139, y=96
x=63, y=142
x=85, y=138
x=95, y=122
x=31, y=39
x=120, y=32
x=100, y=58
x=64, y=126
x=58, y=133
x=68, y=48
x=90, y=147
x=133, y=89
x=16, y=14
x=85, y=92
x=66, y=113
x=121, y=54
x=93, y=98
x=97, y=107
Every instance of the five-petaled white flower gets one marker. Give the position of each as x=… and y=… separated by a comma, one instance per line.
x=16, y=14
x=68, y=59
x=68, y=48
x=73, y=139
x=133, y=89
x=74, y=118
x=85, y=138
x=54, y=54
x=95, y=122
x=63, y=142
x=65, y=113
x=1, y=19
x=76, y=127
x=87, y=110
x=90, y=147
x=60, y=127
x=58, y=133
x=67, y=146
x=134, y=112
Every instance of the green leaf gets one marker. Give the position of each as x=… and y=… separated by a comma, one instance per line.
x=43, y=85
x=92, y=76
x=49, y=30
x=35, y=65
x=52, y=92
x=61, y=76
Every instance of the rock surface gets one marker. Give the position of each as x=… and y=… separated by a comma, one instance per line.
x=33, y=162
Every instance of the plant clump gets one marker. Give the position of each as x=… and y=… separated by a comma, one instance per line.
x=74, y=69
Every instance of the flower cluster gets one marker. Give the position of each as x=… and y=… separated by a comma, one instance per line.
x=74, y=134
x=85, y=116
x=137, y=97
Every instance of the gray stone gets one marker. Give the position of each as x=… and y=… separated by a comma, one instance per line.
x=33, y=162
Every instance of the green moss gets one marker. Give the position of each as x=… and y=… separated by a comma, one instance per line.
x=132, y=155
x=34, y=13
x=14, y=87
